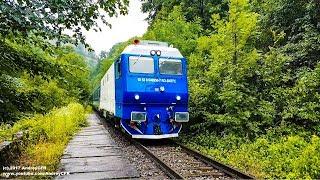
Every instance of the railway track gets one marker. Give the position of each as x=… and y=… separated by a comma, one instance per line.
x=181, y=162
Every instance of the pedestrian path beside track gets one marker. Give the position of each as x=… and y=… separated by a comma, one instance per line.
x=93, y=154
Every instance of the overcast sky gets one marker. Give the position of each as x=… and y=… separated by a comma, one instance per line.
x=123, y=28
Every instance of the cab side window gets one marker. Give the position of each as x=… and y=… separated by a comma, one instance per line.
x=118, y=68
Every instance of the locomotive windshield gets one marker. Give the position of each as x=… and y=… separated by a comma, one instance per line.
x=138, y=64
x=170, y=66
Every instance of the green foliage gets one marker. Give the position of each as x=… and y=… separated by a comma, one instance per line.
x=270, y=156
x=17, y=58
x=90, y=56
x=253, y=69
x=192, y=10
x=47, y=134
x=49, y=19
x=230, y=64
x=175, y=29
x=36, y=76
x=303, y=100
x=43, y=95
x=253, y=80
x=34, y=80
x=75, y=77
x=237, y=88
x=57, y=75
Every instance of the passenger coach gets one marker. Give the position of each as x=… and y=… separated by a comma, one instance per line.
x=147, y=89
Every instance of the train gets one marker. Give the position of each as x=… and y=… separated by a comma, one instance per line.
x=146, y=90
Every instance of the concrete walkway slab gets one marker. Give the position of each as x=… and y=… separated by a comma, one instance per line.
x=93, y=154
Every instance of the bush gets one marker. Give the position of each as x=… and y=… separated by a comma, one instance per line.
x=34, y=80
x=47, y=134
x=289, y=156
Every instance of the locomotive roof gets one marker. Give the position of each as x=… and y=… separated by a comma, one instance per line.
x=145, y=48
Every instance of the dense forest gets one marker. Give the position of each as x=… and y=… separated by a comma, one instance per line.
x=254, y=79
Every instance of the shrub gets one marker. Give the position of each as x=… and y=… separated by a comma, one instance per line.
x=47, y=134
x=290, y=156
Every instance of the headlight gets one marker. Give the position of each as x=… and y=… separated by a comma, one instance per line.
x=158, y=53
x=152, y=52
x=136, y=97
x=178, y=98
x=138, y=116
x=181, y=117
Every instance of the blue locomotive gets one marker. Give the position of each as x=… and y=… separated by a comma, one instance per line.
x=147, y=89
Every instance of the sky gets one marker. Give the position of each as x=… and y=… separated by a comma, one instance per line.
x=123, y=28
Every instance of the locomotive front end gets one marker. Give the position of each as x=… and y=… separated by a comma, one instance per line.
x=153, y=103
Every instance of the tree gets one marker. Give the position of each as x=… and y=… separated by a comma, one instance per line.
x=103, y=54
x=175, y=29
x=192, y=10
x=291, y=66
x=222, y=79
x=50, y=19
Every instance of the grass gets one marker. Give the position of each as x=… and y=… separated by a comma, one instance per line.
x=48, y=135
x=280, y=157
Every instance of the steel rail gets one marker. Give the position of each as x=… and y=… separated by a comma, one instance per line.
x=163, y=166
x=166, y=168
x=230, y=171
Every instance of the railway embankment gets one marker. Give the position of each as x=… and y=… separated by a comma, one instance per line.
x=33, y=146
